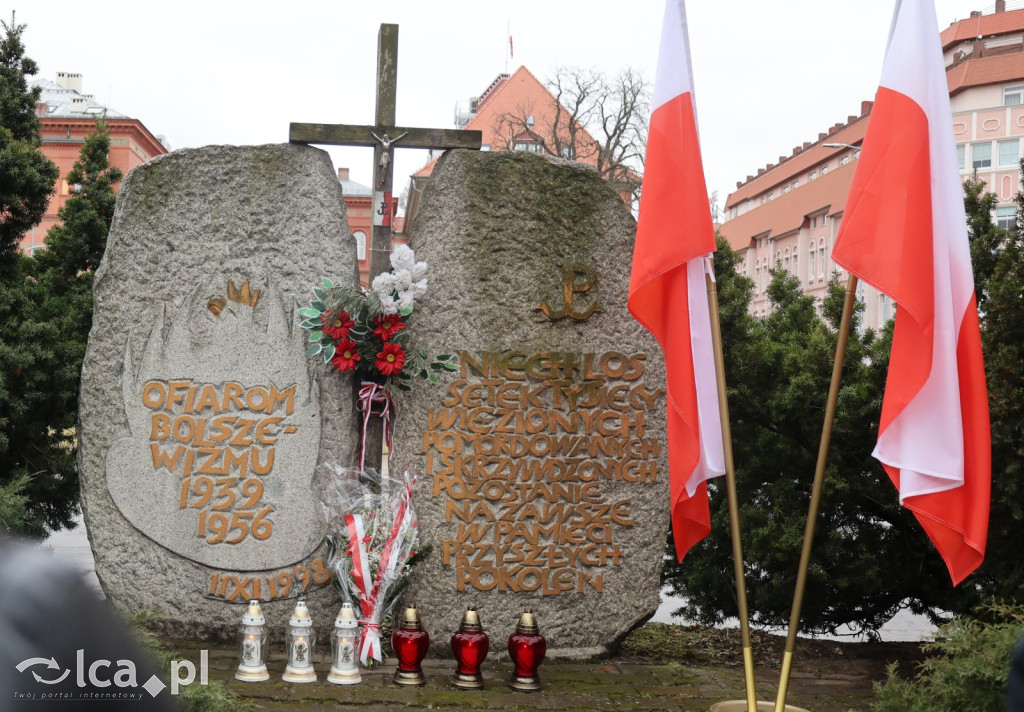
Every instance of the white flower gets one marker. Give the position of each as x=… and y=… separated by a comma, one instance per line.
x=383, y=283
x=403, y=258
x=419, y=271
x=402, y=279
x=405, y=299
x=419, y=288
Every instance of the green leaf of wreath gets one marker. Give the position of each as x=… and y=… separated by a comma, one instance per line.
x=309, y=312
x=314, y=349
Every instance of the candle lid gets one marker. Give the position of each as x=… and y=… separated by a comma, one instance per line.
x=300, y=616
x=527, y=622
x=471, y=620
x=346, y=617
x=411, y=618
x=254, y=614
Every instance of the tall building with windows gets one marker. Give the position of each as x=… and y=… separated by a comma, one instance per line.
x=789, y=213
x=67, y=117
x=516, y=112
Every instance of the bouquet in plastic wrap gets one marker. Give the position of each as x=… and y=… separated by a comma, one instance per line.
x=373, y=542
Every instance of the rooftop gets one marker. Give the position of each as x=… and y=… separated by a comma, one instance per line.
x=787, y=212
x=67, y=103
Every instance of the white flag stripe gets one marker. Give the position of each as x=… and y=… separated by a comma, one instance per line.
x=674, y=75
x=925, y=441
x=712, y=451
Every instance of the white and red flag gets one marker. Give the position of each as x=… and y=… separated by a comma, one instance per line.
x=667, y=290
x=904, y=232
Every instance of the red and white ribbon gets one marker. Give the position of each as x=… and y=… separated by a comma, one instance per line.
x=370, y=393
x=369, y=595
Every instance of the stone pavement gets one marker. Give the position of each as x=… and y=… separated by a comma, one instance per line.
x=569, y=686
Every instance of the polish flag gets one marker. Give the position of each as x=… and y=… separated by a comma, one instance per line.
x=905, y=233
x=668, y=291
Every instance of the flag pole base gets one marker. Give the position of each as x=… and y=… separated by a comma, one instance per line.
x=741, y=706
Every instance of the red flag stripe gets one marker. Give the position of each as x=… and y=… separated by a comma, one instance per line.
x=904, y=231
x=667, y=291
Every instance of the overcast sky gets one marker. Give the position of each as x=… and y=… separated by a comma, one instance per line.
x=768, y=75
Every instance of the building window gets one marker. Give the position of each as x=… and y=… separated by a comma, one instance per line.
x=981, y=155
x=360, y=244
x=821, y=259
x=1006, y=217
x=1009, y=152
x=884, y=308
x=814, y=174
x=824, y=170
x=1012, y=96
x=810, y=271
x=796, y=272
x=530, y=146
x=961, y=155
x=844, y=160
x=785, y=262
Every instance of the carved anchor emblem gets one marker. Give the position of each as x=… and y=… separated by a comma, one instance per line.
x=575, y=278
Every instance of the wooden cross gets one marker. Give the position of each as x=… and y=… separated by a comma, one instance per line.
x=384, y=136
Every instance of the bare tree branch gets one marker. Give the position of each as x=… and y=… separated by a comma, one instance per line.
x=592, y=119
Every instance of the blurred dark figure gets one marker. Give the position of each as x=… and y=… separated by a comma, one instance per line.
x=1015, y=680
x=47, y=615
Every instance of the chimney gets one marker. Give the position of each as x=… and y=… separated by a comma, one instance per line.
x=1000, y=5
x=70, y=80
x=850, y=119
x=343, y=174
x=975, y=13
x=865, y=107
x=822, y=135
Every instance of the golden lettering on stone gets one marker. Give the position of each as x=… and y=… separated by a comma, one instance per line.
x=268, y=586
x=518, y=451
x=220, y=439
x=576, y=278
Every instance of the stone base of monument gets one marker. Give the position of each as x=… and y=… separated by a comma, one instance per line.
x=741, y=706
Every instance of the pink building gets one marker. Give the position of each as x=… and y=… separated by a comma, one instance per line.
x=788, y=214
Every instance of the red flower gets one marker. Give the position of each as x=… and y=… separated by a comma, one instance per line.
x=391, y=360
x=336, y=325
x=345, y=356
x=387, y=326
x=367, y=539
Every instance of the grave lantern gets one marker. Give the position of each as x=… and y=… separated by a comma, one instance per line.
x=252, y=645
x=300, y=640
x=526, y=647
x=469, y=644
x=410, y=643
x=344, y=661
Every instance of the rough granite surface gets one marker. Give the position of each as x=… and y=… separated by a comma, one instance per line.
x=566, y=534
x=190, y=230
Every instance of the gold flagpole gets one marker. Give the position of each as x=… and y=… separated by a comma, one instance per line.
x=730, y=486
x=819, y=476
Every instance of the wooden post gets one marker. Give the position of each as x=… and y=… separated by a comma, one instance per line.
x=384, y=136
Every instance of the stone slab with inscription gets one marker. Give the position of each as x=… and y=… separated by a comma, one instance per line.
x=202, y=422
x=544, y=462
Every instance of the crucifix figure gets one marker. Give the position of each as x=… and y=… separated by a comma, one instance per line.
x=383, y=136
